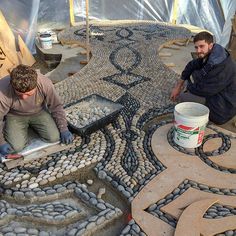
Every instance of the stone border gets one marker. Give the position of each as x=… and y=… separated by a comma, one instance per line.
x=107, y=211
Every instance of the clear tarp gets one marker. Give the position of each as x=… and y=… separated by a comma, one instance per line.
x=123, y=10
x=22, y=15
x=229, y=9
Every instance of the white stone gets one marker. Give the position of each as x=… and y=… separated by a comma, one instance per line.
x=90, y=181
x=34, y=185
x=101, y=191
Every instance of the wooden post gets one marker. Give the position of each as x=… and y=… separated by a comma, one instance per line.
x=87, y=30
x=72, y=17
x=175, y=11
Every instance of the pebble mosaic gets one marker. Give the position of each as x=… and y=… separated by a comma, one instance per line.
x=125, y=68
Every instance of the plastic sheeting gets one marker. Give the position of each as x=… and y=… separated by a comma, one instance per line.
x=22, y=15
x=204, y=14
x=53, y=14
x=212, y=15
x=229, y=8
x=122, y=10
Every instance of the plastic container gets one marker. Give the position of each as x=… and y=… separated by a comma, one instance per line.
x=190, y=122
x=45, y=41
x=99, y=101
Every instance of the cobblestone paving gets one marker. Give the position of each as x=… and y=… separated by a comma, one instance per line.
x=124, y=67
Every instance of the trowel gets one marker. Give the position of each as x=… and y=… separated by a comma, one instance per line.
x=9, y=157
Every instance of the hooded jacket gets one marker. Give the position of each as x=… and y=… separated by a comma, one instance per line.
x=215, y=79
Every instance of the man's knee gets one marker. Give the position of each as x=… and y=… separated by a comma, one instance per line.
x=53, y=137
x=18, y=147
x=186, y=96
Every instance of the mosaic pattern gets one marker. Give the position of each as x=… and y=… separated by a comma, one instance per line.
x=226, y=144
x=164, y=209
x=124, y=67
x=125, y=78
x=80, y=214
x=132, y=229
x=220, y=211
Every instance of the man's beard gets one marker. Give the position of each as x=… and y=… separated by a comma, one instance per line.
x=204, y=55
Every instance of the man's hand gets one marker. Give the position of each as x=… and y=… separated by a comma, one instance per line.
x=176, y=90
x=66, y=137
x=175, y=93
x=5, y=149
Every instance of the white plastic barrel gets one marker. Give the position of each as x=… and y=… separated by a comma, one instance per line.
x=46, y=41
x=190, y=122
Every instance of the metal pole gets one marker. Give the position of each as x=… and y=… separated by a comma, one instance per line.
x=87, y=30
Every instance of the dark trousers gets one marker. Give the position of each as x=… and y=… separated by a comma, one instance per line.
x=186, y=96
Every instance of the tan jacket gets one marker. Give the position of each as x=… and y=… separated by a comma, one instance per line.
x=45, y=97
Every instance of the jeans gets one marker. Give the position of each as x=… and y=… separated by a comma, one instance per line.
x=16, y=129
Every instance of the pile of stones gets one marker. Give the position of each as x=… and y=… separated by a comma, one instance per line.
x=85, y=113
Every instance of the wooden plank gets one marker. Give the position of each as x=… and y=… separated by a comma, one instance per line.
x=175, y=47
x=25, y=56
x=5, y=64
x=7, y=39
x=232, y=47
x=83, y=52
x=165, y=54
x=187, y=42
x=170, y=64
x=234, y=25
x=37, y=155
x=83, y=62
x=178, y=43
x=9, y=57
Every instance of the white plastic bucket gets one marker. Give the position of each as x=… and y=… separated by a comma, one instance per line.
x=190, y=122
x=46, y=41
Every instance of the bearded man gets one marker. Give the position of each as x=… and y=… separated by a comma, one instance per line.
x=211, y=80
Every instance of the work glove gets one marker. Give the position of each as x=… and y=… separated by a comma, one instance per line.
x=5, y=149
x=66, y=137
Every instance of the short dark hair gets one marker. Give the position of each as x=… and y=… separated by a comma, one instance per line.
x=23, y=78
x=204, y=35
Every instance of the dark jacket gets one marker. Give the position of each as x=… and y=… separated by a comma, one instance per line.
x=214, y=79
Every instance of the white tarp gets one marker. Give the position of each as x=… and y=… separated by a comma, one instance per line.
x=22, y=16
x=27, y=17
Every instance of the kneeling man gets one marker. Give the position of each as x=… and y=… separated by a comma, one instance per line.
x=29, y=100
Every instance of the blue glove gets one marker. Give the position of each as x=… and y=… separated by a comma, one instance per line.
x=66, y=137
x=5, y=149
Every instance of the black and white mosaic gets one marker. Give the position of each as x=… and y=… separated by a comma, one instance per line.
x=132, y=229
x=125, y=68
x=155, y=209
x=219, y=211
x=226, y=144
x=73, y=215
